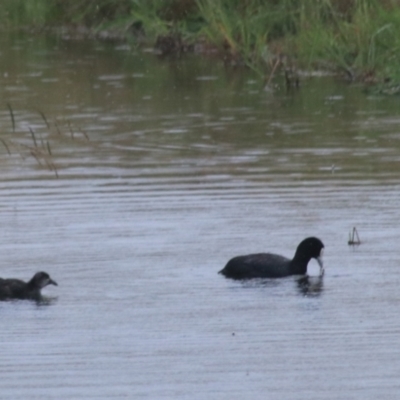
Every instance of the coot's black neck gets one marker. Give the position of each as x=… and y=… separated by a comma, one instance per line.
x=299, y=263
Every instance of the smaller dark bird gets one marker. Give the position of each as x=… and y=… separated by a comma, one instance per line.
x=267, y=265
x=17, y=289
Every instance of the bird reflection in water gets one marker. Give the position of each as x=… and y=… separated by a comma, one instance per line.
x=310, y=286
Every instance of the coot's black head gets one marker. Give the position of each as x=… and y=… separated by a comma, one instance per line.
x=42, y=279
x=309, y=248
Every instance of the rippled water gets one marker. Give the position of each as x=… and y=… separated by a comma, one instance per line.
x=166, y=169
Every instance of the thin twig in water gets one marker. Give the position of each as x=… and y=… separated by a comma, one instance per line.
x=84, y=133
x=58, y=130
x=354, y=239
x=50, y=165
x=70, y=129
x=33, y=136
x=35, y=155
x=5, y=145
x=12, y=116
x=44, y=119
x=48, y=148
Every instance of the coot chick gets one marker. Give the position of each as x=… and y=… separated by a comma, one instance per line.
x=267, y=265
x=17, y=289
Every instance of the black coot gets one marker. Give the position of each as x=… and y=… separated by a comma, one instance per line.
x=17, y=289
x=267, y=265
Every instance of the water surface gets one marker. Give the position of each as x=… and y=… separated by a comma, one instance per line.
x=166, y=169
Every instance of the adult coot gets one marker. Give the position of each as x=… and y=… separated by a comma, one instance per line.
x=267, y=265
x=17, y=289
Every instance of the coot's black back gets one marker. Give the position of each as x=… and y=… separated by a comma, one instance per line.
x=261, y=265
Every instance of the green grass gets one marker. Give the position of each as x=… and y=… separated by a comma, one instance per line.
x=359, y=37
x=365, y=40
x=41, y=13
x=19, y=13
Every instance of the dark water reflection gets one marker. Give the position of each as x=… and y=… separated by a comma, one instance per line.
x=167, y=169
x=311, y=286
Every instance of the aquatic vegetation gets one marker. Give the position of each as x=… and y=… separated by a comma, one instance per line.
x=39, y=148
x=40, y=152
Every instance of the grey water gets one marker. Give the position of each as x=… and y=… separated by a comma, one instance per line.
x=166, y=169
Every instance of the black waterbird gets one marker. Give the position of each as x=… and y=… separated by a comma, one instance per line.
x=267, y=265
x=17, y=289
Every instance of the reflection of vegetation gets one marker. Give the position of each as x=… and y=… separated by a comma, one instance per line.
x=352, y=35
x=39, y=148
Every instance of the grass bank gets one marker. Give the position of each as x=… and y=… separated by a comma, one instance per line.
x=360, y=38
